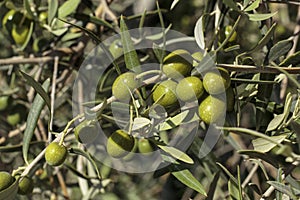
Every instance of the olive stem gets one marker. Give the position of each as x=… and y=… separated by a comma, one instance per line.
x=139, y=76
x=131, y=120
x=65, y=131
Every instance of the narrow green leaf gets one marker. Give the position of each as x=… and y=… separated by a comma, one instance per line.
x=87, y=156
x=187, y=178
x=131, y=58
x=275, y=122
x=67, y=8
x=288, y=190
x=87, y=18
x=32, y=119
x=177, y=154
x=280, y=49
x=265, y=39
x=263, y=145
x=233, y=190
x=260, y=155
x=28, y=9
x=261, y=17
x=213, y=187
x=293, y=59
x=10, y=192
x=235, y=181
x=52, y=10
x=38, y=88
x=252, y=6
x=173, y=121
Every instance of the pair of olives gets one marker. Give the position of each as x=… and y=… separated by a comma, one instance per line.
x=120, y=144
x=187, y=89
x=25, y=185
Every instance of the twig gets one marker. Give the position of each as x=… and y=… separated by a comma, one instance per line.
x=22, y=60
x=255, y=69
x=53, y=89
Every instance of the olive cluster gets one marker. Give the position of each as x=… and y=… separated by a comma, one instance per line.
x=211, y=89
x=25, y=183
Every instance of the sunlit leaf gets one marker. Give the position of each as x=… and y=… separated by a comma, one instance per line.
x=263, y=145
x=199, y=33
x=261, y=17
x=176, y=153
x=131, y=58
x=253, y=6
x=67, y=8
x=174, y=3
x=52, y=10
x=187, y=178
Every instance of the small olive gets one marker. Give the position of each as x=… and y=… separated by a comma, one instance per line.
x=124, y=85
x=116, y=48
x=3, y=102
x=86, y=131
x=25, y=185
x=177, y=64
x=165, y=93
x=6, y=180
x=55, y=154
x=189, y=89
x=119, y=144
x=145, y=146
x=212, y=109
x=216, y=82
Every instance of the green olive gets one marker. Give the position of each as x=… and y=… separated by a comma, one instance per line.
x=124, y=85
x=6, y=180
x=86, y=131
x=25, y=185
x=177, y=64
x=165, y=93
x=116, y=49
x=145, y=146
x=216, y=82
x=43, y=17
x=189, y=89
x=119, y=144
x=228, y=29
x=13, y=119
x=56, y=154
x=3, y=102
x=212, y=109
x=197, y=57
x=19, y=34
x=131, y=154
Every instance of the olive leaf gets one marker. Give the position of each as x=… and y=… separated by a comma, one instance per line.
x=187, y=178
x=176, y=153
x=32, y=119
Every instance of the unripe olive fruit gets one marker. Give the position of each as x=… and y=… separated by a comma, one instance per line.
x=212, y=109
x=197, y=57
x=145, y=146
x=116, y=49
x=25, y=185
x=165, y=93
x=131, y=154
x=19, y=34
x=119, y=144
x=228, y=29
x=3, y=102
x=86, y=131
x=55, y=154
x=216, y=82
x=6, y=180
x=189, y=89
x=177, y=64
x=13, y=119
x=124, y=85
